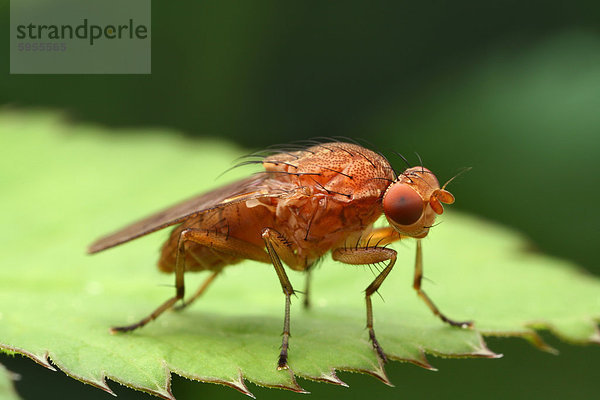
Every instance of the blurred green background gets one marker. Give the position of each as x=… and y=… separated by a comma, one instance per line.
x=511, y=89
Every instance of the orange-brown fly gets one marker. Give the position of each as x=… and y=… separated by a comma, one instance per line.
x=307, y=202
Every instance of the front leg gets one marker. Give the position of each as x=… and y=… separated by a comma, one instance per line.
x=366, y=256
x=417, y=286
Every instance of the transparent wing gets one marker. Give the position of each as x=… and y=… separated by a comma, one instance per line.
x=242, y=190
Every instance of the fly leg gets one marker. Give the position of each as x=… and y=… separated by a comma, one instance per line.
x=377, y=237
x=276, y=247
x=386, y=235
x=213, y=239
x=366, y=256
x=199, y=292
x=417, y=286
x=306, y=302
x=380, y=237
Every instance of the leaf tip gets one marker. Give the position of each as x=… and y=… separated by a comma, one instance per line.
x=331, y=377
x=43, y=360
x=293, y=384
x=423, y=362
x=239, y=385
x=420, y=360
x=485, y=352
x=100, y=384
x=538, y=342
x=379, y=373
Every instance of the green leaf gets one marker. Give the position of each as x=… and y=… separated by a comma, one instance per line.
x=64, y=185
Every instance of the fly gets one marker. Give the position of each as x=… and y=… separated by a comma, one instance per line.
x=306, y=202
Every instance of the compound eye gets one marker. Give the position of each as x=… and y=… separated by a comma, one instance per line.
x=402, y=204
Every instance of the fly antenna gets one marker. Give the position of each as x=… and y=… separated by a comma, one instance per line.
x=466, y=169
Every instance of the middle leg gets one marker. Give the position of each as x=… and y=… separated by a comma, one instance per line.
x=276, y=247
x=198, y=292
x=366, y=256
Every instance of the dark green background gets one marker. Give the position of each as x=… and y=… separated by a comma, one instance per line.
x=511, y=89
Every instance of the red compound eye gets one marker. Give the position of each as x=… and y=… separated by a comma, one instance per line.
x=402, y=204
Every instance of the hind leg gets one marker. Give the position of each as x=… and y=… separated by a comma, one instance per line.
x=211, y=239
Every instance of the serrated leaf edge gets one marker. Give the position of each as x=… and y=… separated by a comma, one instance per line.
x=528, y=333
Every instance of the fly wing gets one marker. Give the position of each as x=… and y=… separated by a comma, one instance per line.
x=250, y=188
